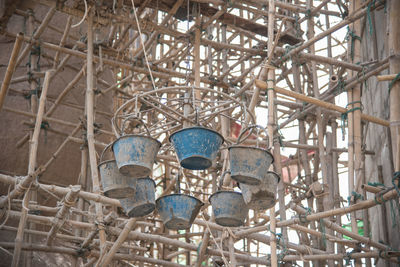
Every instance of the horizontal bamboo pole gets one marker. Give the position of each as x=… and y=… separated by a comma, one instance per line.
x=371, y=189
x=70, y=238
x=58, y=190
x=75, y=252
x=387, y=77
x=136, y=235
x=335, y=212
x=320, y=103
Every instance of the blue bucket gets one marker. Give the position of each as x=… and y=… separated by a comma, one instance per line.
x=178, y=211
x=263, y=196
x=229, y=208
x=196, y=147
x=142, y=202
x=135, y=154
x=115, y=184
x=249, y=164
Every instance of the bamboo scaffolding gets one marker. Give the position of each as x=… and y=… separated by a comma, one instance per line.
x=224, y=66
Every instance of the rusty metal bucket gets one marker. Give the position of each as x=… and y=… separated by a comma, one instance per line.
x=249, y=164
x=178, y=211
x=142, y=202
x=115, y=184
x=229, y=208
x=196, y=147
x=262, y=196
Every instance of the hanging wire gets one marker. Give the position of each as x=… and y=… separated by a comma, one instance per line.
x=188, y=43
x=84, y=16
x=143, y=47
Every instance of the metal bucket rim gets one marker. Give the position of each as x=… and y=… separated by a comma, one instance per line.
x=256, y=148
x=133, y=135
x=223, y=191
x=147, y=178
x=198, y=200
x=274, y=173
x=105, y=161
x=197, y=127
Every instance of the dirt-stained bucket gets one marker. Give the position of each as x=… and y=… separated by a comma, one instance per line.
x=249, y=164
x=196, y=147
x=115, y=184
x=135, y=154
x=142, y=202
x=262, y=196
x=229, y=208
x=178, y=211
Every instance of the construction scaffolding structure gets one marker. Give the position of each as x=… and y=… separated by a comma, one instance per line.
x=313, y=84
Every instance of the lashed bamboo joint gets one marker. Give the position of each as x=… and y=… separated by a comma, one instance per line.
x=240, y=133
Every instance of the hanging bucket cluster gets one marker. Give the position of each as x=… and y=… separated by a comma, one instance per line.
x=122, y=178
x=249, y=167
x=196, y=148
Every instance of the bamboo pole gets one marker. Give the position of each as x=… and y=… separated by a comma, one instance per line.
x=31, y=170
x=321, y=103
x=121, y=239
x=60, y=217
x=10, y=68
x=90, y=130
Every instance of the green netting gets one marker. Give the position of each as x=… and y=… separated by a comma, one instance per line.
x=360, y=226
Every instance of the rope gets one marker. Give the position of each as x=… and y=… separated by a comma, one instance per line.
x=394, y=81
x=348, y=258
x=356, y=197
x=354, y=37
x=371, y=28
x=376, y=184
x=8, y=208
x=283, y=247
x=303, y=217
x=344, y=116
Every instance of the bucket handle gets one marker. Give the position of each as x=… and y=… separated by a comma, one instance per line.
x=133, y=117
x=221, y=179
x=104, y=151
x=251, y=127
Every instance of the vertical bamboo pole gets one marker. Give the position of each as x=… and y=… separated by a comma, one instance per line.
x=354, y=122
x=34, y=86
x=10, y=68
x=232, y=257
x=117, y=244
x=336, y=191
x=271, y=119
x=327, y=199
x=394, y=66
x=90, y=130
x=31, y=169
x=303, y=152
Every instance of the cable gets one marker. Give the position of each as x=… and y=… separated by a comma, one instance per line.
x=84, y=16
x=143, y=47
